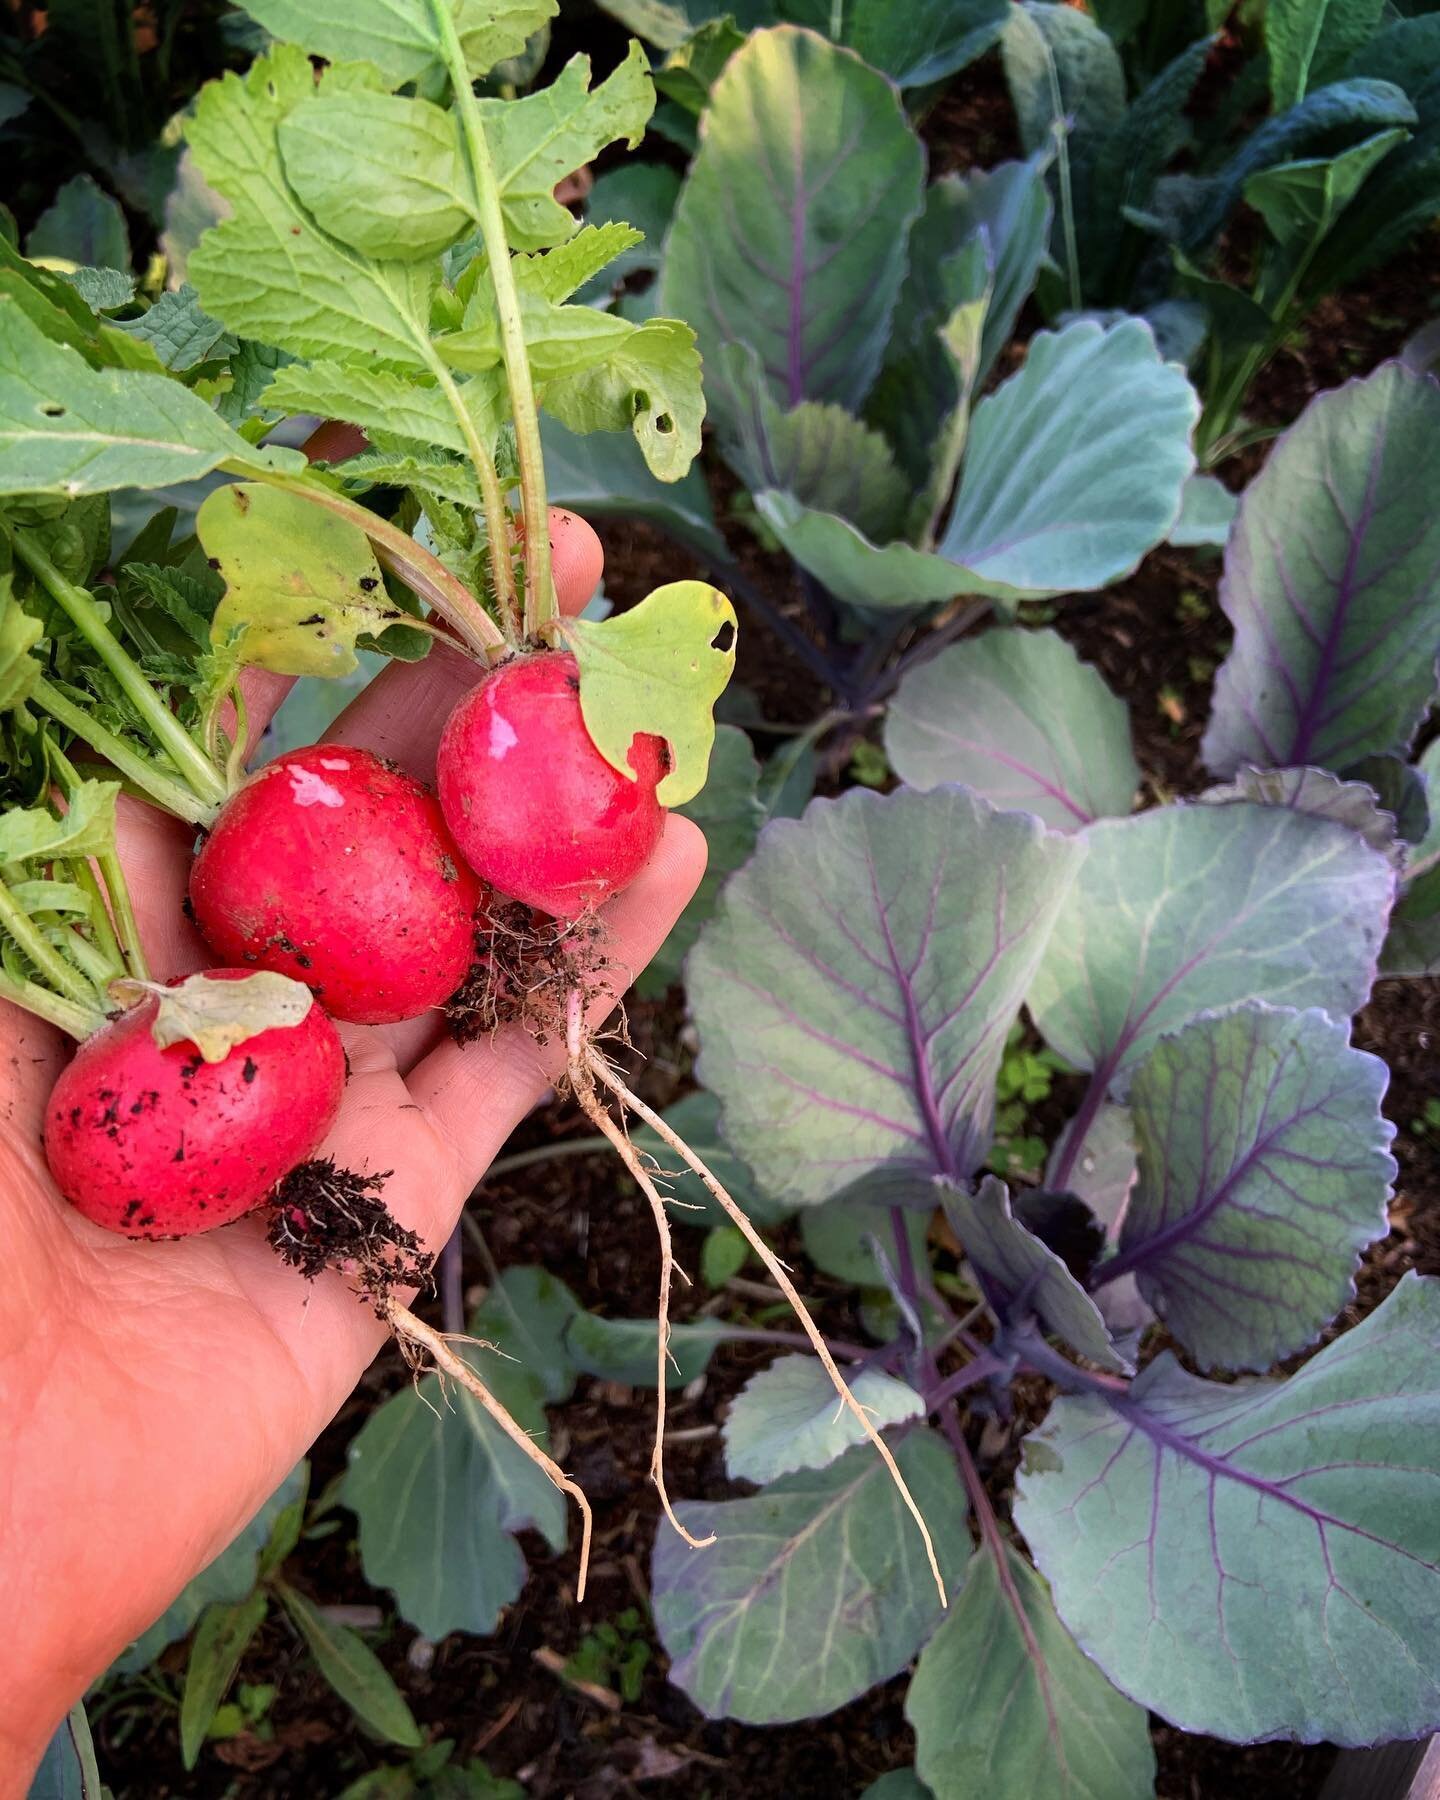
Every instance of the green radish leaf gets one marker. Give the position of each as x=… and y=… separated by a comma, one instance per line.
x=102, y=290
x=223, y=1637
x=216, y=1016
x=379, y=400
x=541, y=138
x=385, y=173
x=180, y=331
x=301, y=585
x=648, y=384
x=788, y=1417
x=354, y=1671
x=270, y=271
x=83, y=225
x=399, y=36
x=557, y=274
x=48, y=896
x=66, y=428
x=19, y=634
x=657, y=669
x=559, y=340
x=34, y=834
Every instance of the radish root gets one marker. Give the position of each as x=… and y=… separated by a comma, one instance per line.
x=414, y=1333
x=582, y=1081
x=587, y=1067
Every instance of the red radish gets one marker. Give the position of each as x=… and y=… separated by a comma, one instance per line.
x=534, y=806
x=336, y=869
x=158, y=1143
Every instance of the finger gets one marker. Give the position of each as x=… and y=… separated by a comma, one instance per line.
x=475, y=1096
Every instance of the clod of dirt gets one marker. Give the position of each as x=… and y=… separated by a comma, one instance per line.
x=525, y=966
x=325, y=1217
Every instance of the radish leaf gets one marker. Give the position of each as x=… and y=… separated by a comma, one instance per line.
x=657, y=669
x=215, y=1016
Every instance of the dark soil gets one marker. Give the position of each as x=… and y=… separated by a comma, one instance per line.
x=1157, y=638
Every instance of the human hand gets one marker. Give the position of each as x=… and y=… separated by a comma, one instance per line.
x=154, y=1394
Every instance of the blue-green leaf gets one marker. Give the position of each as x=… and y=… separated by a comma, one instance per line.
x=1259, y=1559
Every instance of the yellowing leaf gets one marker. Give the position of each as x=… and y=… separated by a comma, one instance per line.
x=658, y=668
x=300, y=584
x=216, y=1016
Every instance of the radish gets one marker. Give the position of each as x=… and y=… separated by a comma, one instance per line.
x=150, y=1136
x=335, y=868
x=536, y=809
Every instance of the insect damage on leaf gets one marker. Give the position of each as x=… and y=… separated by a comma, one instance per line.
x=658, y=668
x=300, y=584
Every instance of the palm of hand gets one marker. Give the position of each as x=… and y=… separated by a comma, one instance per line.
x=155, y=1394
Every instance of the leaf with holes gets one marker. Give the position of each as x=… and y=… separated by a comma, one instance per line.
x=1259, y=1559
x=816, y=1589
x=301, y=584
x=66, y=428
x=854, y=988
x=658, y=668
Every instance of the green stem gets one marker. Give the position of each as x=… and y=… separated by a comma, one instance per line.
x=91, y=960
x=106, y=941
x=539, y=594
x=492, y=497
x=397, y=551
x=203, y=778
x=46, y=959
x=78, y=1022
x=162, y=789
x=114, y=916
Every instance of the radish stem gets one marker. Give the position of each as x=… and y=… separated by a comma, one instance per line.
x=161, y=789
x=78, y=1022
x=539, y=598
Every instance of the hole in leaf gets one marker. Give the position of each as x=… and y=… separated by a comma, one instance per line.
x=52, y=410
x=724, y=638
x=663, y=422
